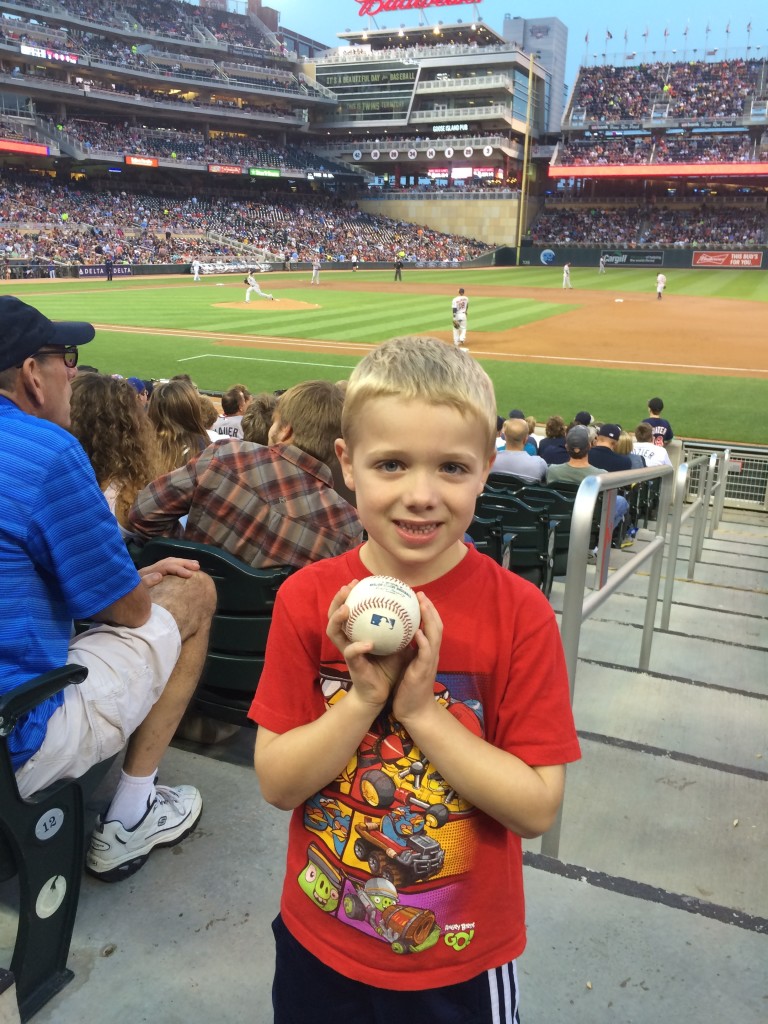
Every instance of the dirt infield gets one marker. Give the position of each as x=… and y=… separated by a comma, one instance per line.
x=680, y=334
x=265, y=306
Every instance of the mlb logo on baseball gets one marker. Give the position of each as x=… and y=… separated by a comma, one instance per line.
x=383, y=611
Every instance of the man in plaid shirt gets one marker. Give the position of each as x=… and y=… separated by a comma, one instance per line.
x=267, y=505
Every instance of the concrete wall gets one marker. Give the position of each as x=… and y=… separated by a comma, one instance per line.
x=488, y=220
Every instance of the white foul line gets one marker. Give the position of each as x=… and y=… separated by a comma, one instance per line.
x=256, y=359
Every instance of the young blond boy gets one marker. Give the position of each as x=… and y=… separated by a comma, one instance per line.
x=411, y=777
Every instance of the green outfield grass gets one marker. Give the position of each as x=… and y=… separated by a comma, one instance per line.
x=711, y=407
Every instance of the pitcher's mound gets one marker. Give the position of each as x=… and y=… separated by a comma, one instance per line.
x=265, y=306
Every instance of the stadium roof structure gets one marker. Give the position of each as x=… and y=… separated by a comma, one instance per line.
x=458, y=32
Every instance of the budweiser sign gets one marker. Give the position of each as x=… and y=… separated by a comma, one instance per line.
x=370, y=8
x=727, y=259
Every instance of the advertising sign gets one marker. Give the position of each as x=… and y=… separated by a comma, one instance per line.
x=727, y=259
x=633, y=258
x=224, y=169
x=142, y=161
x=33, y=148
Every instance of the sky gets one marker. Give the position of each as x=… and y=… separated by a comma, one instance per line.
x=322, y=19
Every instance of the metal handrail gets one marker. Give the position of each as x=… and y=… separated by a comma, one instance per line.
x=577, y=606
x=718, y=491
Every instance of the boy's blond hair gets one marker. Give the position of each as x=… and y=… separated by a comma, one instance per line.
x=417, y=367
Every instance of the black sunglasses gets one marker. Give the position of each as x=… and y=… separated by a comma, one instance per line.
x=69, y=354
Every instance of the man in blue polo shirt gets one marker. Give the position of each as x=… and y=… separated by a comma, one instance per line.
x=62, y=558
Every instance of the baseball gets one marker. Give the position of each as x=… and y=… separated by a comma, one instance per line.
x=384, y=611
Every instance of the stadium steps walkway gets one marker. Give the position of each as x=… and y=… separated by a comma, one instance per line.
x=656, y=910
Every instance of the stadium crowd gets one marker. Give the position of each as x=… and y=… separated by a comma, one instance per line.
x=47, y=221
x=662, y=149
x=692, y=89
x=636, y=225
x=191, y=146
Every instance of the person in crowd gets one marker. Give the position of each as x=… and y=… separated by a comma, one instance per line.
x=140, y=387
x=233, y=405
x=624, y=446
x=61, y=549
x=479, y=704
x=272, y=505
x=577, y=445
x=515, y=459
x=176, y=413
x=654, y=454
x=552, y=446
x=210, y=415
x=603, y=453
x=662, y=429
x=117, y=437
x=257, y=418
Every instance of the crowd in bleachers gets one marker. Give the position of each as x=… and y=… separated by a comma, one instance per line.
x=693, y=89
x=633, y=225
x=591, y=150
x=80, y=225
x=191, y=146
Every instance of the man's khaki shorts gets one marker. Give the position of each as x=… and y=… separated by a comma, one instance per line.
x=127, y=672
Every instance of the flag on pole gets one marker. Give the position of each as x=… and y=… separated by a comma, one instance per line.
x=728, y=29
x=626, y=37
x=666, y=32
x=749, y=27
x=707, y=30
x=645, y=34
x=586, y=38
x=608, y=34
x=685, y=31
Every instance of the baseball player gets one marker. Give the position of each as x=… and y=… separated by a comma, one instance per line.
x=661, y=284
x=398, y=269
x=196, y=270
x=459, y=312
x=253, y=286
x=315, y=271
x=602, y=265
x=567, y=276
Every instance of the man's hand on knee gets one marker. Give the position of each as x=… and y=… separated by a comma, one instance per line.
x=183, y=567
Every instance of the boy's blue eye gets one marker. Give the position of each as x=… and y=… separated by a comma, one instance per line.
x=390, y=466
x=453, y=468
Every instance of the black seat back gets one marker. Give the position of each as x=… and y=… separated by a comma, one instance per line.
x=240, y=627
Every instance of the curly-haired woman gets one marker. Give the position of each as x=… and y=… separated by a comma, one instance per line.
x=109, y=422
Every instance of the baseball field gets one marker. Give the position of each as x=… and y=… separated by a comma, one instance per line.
x=606, y=345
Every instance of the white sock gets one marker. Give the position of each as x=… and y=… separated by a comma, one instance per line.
x=132, y=797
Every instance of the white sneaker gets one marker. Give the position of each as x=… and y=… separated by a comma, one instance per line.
x=116, y=852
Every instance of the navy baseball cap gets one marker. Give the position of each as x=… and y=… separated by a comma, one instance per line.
x=584, y=418
x=24, y=330
x=138, y=385
x=612, y=430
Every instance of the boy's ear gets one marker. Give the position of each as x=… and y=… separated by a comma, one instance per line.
x=342, y=454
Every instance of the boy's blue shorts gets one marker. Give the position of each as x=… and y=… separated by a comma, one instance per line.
x=305, y=989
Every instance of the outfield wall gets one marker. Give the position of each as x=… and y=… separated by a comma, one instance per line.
x=615, y=258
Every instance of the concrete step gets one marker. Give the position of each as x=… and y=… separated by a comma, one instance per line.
x=699, y=722
x=683, y=827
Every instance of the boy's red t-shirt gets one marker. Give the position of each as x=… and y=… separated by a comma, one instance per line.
x=392, y=878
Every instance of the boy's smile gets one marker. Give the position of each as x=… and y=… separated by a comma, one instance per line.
x=417, y=469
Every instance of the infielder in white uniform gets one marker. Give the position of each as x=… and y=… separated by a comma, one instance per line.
x=567, y=276
x=602, y=265
x=253, y=286
x=196, y=270
x=315, y=271
x=661, y=284
x=459, y=308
